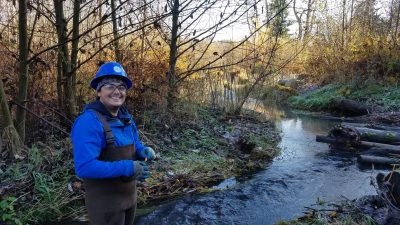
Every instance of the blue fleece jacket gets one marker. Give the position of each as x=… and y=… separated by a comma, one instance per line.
x=88, y=139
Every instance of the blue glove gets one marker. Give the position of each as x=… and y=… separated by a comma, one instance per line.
x=147, y=153
x=140, y=170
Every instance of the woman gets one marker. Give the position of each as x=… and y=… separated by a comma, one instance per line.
x=108, y=154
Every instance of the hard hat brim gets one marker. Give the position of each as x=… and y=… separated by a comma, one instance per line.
x=95, y=81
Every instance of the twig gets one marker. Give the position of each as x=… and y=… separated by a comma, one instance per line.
x=320, y=210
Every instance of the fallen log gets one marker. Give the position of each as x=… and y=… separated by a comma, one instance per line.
x=325, y=139
x=372, y=126
x=345, y=134
x=357, y=134
x=338, y=143
x=362, y=145
x=367, y=144
x=381, y=152
x=348, y=107
x=378, y=160
x=373, y=135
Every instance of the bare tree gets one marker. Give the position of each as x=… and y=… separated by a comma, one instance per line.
x=64, y=60
x=185, y=37
x=118, y=54
x=298, y=16
x=308, y=22
x=23, y=67
x=397, y=24
x=343, y=21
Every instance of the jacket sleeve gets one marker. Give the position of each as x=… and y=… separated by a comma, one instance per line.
x=88, y=140
x=138, y=144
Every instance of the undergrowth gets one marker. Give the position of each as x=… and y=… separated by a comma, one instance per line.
x=385, y=98
x=338, y=213
x=42, y=187
x=195, y=146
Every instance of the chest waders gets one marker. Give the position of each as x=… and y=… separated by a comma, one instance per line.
x=111, y=194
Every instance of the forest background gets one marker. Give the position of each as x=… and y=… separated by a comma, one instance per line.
x=174, y=52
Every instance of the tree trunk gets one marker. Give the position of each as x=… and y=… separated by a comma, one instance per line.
x=74, y=57
x=5, y=111
x=351, y=21
x=60, y=91
x=299, y=22
x=387, y=137
x=397, y=25
x=308, y=18
x=99, y=30
x=343, y=21
x=118, y=55
x=142, y=44
x=67, y=80
x=23, y=68
x=10, y=137
x=267, y=14
x=172, y=92
x=389, y=28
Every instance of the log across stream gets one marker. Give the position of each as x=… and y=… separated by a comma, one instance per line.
x=376, y=143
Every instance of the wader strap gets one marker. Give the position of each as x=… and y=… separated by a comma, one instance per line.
x=107, y=130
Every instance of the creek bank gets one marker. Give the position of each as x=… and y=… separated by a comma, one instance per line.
x=198, y=148
x=376, y=102
x=202, y=149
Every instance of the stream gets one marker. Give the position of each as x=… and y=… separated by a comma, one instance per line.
x=306, y=172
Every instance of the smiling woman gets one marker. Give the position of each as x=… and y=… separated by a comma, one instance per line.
x=112, y=94
x=108, y=154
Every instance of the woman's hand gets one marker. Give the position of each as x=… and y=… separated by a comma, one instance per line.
x=147, y=154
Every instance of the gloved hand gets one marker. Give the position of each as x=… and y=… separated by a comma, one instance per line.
x=147, y=153
x=140, y=170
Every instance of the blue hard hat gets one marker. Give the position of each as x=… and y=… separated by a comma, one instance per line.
x=111, y=69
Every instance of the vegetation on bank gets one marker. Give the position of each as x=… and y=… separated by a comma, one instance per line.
x=200, y=147
x=338, y=213
x=382, y=98
x=320, y=219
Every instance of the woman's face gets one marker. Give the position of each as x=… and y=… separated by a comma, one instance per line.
x=112, y=95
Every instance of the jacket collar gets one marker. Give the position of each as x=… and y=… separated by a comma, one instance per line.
x=123, y=113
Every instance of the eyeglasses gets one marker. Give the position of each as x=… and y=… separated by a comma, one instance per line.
x=112, y=87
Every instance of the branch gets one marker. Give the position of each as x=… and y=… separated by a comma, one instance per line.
x=110, y=42
x=39, y=117
x=188, y=73
x=69, y=40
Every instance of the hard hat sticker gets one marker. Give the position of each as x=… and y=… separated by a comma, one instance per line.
x=117, y=69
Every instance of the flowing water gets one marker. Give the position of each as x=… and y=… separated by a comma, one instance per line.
x=306, y=172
